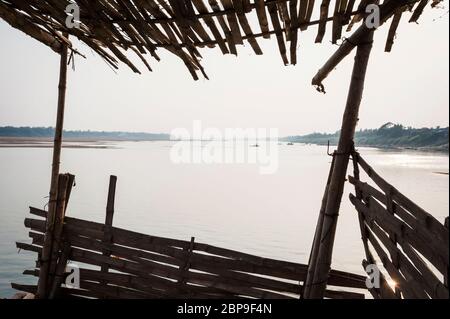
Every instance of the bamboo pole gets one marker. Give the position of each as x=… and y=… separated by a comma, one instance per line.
x=57, y=142
x=63, y=180
x=317, y=234
x=335, y=190
x=107, y=234
x=386, y=11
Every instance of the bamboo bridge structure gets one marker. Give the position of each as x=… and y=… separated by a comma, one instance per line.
x=411, y=244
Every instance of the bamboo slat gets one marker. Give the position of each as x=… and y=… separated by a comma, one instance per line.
x=295, y=23
x=419, y=225
x=107, y=236
x=324, y=7
x=273, y=12
x=402, y=283
x=208, y=263
x=419, y=10
x=421, y=276
x=201, y=8
x=392, y=30
x=63, y=190
x=423, y=216
x=225, y=29
x=308, y=14
x=285, y=18
x=262, y=17
x=405, y=235
x=232, y=20
x=238, y=5
x=215, y=255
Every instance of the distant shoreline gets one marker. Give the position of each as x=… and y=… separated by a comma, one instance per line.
x=108, y=143
x=426, y=149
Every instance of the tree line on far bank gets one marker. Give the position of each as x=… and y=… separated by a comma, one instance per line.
x=48, y=132
x=389, y=135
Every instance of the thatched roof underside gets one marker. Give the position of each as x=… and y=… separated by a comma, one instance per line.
x=111, y=27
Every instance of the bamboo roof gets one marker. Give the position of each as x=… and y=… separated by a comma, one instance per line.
x=182, y=27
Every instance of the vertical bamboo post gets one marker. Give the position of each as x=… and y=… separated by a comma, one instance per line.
x=446, y=273
x=321, y=268
x=185, y=268
x=59, y=272
x=107, y=235
x=317, y=234
x=61, y=203
x=57, y=142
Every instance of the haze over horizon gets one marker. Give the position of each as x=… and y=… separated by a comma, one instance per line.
x=168, y=132
x=247, y=91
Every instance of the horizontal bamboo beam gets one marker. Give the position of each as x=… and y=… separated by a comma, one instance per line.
x=233, y=260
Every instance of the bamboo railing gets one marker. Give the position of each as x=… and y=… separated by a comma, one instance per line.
x=119, y=263
x=412, y=245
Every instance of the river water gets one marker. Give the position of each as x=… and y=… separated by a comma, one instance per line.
x=229, y=205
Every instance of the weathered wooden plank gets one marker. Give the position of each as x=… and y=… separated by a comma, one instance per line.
x=232, y=20
x=238, y=5
x=323, y=23
x=244, y=262
x=430, y=233
x=405, y=235
x=262, y=18
x=423, y=280
x=294, y=31
x=405, y=202
x=226, y=30
x=285, y=18
x=59, y=271
x=418, y=11
x=307, y=15
x=392, y=30
x=201, y=8
x=107, y=234
x=408, y=291
x=273, y=12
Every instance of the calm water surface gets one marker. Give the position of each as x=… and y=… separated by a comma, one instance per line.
x=228, y=205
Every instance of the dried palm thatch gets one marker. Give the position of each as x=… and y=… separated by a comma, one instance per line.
x=111, y=27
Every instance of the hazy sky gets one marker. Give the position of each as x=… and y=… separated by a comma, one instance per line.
x=408, y=86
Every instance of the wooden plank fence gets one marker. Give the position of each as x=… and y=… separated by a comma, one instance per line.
x=412, y=245
x=119, y=263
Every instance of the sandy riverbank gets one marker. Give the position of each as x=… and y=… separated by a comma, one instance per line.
x=42, y=142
